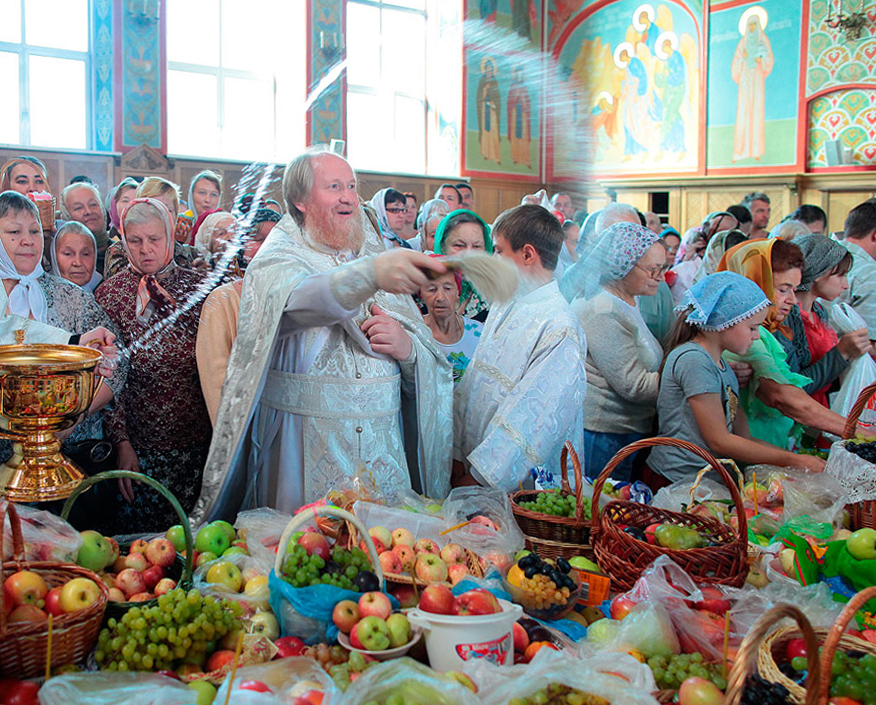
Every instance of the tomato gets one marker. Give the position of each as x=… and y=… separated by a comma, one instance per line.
x=796, y=647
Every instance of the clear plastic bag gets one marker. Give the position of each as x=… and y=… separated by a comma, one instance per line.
x=498, y=538
x=422, y=526
x=263, y=528
x=114, y=688
x=287, y=678
x=861, y=372
x=249, y=567
x=418, y=685
x=678, y=495
x=46, y=536
x=853, y=474
x=794, y=493
x=618, y=678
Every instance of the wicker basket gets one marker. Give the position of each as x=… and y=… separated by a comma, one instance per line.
x=837, y=638
x=180, y=570
x=624, y=558
x=759, y=648
x=861, y=514
x=551, y=536
x=23, y=645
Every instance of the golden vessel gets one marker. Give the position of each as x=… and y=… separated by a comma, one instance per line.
x=43, y=390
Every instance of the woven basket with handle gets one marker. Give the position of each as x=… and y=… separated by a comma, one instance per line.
x=861, y=514
x=23, y=645
x=624, y=557
x=551, y=536
x=757, y=651
x=836, y=638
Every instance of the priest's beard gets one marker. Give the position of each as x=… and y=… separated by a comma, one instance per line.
x=347, y=236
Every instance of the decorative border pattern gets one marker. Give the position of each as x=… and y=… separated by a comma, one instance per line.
x=847, y=115
x=833, y=62
x=141, y=84
x=102, y=68
x=326, y=115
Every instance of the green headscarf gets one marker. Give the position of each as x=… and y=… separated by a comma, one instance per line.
x=442, y=228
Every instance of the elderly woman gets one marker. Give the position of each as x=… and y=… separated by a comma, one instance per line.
x=456, y=335
x=32, y=294
x=389, y=206
x=789, y=229
x=205, y=192
x=74, y=255
x=82, y=202
x=623, y=357
x=217, y=227
x=693, y=245
x=167, y=193
x=460, y=232
x=812, y=346
x=217, y=328
x=431, y=214
x=160, y=424
x=776, y=402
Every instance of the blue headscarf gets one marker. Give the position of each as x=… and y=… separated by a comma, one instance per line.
x=722, y=300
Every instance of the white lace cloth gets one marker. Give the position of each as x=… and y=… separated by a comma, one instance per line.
x=854, y=474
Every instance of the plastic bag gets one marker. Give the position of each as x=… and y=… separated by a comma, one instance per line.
x=854, y=475
x=263, y=528
x=287, y=678
x=618, y=678
x=496, y=541
x=249, y=567
x=113, y=688
x=46, y=536
x=795, y=493
x=422, y=526
x=418, y=685
x=861, y=372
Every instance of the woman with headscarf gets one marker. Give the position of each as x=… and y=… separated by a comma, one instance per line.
x=390, y=206
x=431, y=214
x=718, y=245
x=789, y=229
x=205, y=192
x=775, y=401
x=74, y=255
x=160, y=424
x=627, y=261
x=812, y=346
x=462, y=231
x=693, y=245
x=32, y=294
x=116, y=202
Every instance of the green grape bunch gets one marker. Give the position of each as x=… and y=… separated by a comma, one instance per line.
x=670, y=673
x=555, y=503
x=183, y=627
x=301, y=569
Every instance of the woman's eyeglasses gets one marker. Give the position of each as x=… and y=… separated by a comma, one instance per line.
x=657, y=271
x=396, y=210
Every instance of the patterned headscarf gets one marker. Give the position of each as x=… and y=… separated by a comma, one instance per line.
x=151, y=296
x=204, y=238
x=378, y=203
x=71, y=228
x=822, y=255
x=434, y=208
x=441, y=232
x=722, y=300
x=753, y=260
x=715, y=251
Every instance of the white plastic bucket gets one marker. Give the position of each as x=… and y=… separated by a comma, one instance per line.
x=453, y=640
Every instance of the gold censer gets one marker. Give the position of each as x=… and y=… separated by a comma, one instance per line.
x=44, y=389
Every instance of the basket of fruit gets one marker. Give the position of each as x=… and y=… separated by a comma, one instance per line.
x=755, y=679
x=74, y=596
x=861, y=514
x=556, y=522
x=141, y=571
x=408, y=560
x=627, y=536
x=848, y=664
x=546, y=589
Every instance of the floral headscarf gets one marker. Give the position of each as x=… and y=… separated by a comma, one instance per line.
x=715, y=251
x=722, y=300
x=378, y=203
x=151, y=296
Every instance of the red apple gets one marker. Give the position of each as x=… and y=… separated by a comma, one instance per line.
x=402, y=537
x=27, y=613
x=219, y=659
x=164, y=585
x=621, y=606
x=255, y=686
x=406, y=555
x=374, y=604
x=485, y=522
x=521, y=638
x=141, y=597
x=153, y=575
x=139, y=546
x=390, y=562
x=53, y=602
x=345, y=615
x=25, y=587
x=651, y=533
x=699, y=691
x=713, y=600
x=427, y=546
x=453, y=554
x=290, y=646
x=430, y=568
x=354, y=638
x=116, y=595
x=405, y=594
x=379, y=546
x=379, y=532
x=437, y=599
x=315, y=544
x=477, y=601
x=137, y=561
x=130, y=582
x=161, y=552
x=119, y=564
x=457, y=572
x=114, y=549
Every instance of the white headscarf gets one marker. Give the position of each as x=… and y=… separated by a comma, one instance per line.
x=209, y=175
x=71, y=227
x=205, y=233
x=27, y=298
x=378, y=203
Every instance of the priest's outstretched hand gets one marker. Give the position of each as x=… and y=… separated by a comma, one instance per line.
x=404, y=271
x=386, y=335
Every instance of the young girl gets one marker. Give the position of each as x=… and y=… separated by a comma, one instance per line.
x=699, y=394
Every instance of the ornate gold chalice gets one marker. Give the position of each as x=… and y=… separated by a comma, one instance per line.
x=43, y=390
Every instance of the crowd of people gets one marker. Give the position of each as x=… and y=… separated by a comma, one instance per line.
x=262, y=355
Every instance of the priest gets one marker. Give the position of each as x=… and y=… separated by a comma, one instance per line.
x=331, y=354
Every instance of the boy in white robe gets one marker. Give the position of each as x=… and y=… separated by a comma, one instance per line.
x=522, y=395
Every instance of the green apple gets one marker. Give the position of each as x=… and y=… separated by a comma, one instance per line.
x=399, y=630
x=581, y=563
x=212, y=539
x=206, y=692
x=204, y=558
x=95, y=552
x=522, y=552
x=235, y=551
x=177, y=536
x=227, y=574
x=227, y=528
x=862, y=544
x=373, y=634
x=603, y=631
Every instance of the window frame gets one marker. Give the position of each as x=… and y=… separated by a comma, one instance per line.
x=24, y=52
